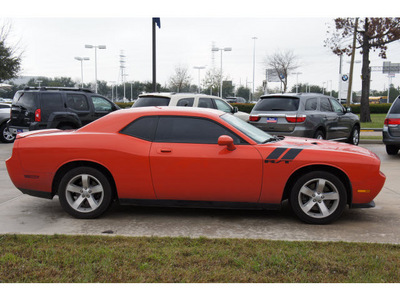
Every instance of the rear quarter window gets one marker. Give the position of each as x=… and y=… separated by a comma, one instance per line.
x=395, y=109
x=277, y=104
x=26, y=100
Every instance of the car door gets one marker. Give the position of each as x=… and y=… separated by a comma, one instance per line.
x=329, y=118
x=344, y=122
x=188, y=164
x=78, y=105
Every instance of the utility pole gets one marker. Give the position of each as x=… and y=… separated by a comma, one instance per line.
x=353, y=52
x=155, y=21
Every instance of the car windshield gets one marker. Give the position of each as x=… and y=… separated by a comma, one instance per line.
x=251, y=131
x=151, y=101
x=277, y=104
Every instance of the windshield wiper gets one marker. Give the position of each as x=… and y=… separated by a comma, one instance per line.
x=274, y=138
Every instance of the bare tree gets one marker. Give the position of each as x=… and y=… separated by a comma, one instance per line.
x=10, y=59
x=371, y=34
x=180, y=79
x=283, y=63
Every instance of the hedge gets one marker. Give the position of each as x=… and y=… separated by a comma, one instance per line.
x=247, y=107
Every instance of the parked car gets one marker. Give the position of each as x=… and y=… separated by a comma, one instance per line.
x=391, y=128
x=189, y=100
x=5, y=135
x=306, y=115
x=56, y=107
x=235, y=100
x=177, y=156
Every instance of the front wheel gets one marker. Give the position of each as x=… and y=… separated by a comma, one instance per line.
x=85, y=193
x=318, y=197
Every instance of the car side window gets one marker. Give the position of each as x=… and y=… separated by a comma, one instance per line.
x=206, y=103
x=101, y=104
x=325, y=105
x=185, y=102
x=52, y=101
x=142, y=128
x=336, y=106
x=192, y=130
x=311, y=104
x=221, y=105
x=77, y=102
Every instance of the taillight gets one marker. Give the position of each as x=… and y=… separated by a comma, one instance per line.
x=38, y=115
x=392, y=122
x=254, y=118
x=296, y=119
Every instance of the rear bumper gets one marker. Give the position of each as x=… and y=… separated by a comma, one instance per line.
x=389, y=139
x=18, y=129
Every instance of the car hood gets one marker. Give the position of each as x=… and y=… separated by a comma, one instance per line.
x=320, y=145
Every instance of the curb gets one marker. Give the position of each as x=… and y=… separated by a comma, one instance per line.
x=366, y=141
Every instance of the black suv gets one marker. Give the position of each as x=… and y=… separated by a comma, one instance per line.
x=54, y=107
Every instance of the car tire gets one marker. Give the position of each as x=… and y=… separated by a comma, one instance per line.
x=318, y=197
x=5, y=135
x=85, y=193
x=319, y=135
x=354, y=138
x=392, y=149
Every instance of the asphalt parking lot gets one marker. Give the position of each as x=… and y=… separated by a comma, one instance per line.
x=24, y=214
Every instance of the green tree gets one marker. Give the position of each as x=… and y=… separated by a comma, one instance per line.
x=371, y=34
x=10, y=60
x=243, y=92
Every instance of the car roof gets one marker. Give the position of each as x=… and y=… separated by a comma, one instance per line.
x=113, y=121
x=172, y=94
x=297, y=95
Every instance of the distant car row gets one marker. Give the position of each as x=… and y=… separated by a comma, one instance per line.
x=305, y=115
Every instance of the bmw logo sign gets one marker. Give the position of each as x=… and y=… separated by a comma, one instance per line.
x=345, y=77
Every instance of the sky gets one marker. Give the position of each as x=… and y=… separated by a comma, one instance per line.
x=51, y=37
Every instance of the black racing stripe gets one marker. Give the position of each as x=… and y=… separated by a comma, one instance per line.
x=292, y=153
x=276, y=153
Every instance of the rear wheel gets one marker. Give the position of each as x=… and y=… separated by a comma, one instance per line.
x=354, y=136
x=5, y=135
x=392, y=149
x=319, y=135
x=318, y=197
x=85, y=193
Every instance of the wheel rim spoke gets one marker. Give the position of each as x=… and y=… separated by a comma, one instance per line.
x=324, y=210
x=321, y=185
x=85, y=181
x=74, y=188
x=96, y=189
x=307, y=191
x=331, y=196
x=93, y=204
x=78, y=202
x=308, y=206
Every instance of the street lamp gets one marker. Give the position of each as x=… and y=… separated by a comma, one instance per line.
x=199, y=68
x=81, y=59
x=95, y=60
x=297, y=81
x=254, y=62
x=221, y=49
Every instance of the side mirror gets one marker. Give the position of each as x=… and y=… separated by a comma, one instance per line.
x=234, y=109
x=225, y=140
x=348, y=109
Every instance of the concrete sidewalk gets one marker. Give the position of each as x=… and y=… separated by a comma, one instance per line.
x=370, y=136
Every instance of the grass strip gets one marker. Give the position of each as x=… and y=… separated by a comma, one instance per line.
x=75, y=259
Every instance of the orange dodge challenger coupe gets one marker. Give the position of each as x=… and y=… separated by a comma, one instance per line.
x=171, y=156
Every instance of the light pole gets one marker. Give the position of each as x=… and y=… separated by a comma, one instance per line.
x=95, y=60
x=254, y=63
x=221, y=49
x=81, y=59
x=112, y=90
x=199, y=68
x=297, y=81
